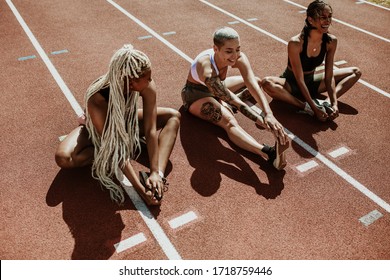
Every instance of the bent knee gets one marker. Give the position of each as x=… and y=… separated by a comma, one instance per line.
x=174, y=116
x=63, y=160
x=267, y=83
x=357, y=72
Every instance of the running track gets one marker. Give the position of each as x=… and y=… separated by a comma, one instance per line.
x=222, y=203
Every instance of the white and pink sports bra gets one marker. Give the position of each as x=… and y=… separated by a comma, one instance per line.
x=194, y=73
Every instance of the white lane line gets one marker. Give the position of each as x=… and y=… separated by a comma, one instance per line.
x=68, y=94
x=307, y=166
x=245, y=22
x=345, y=23
x=373, y=4
x=305, y=146
x=384, y=93
x=252, y=19
x=182, y=220
x=370, y=217
x=339, y=152
x=151, y=31
x=233, y=22
x=130, y=242
x=381, y=91
x=340, y=62
x=158, y=233
x=154, y=227
x=344, y=175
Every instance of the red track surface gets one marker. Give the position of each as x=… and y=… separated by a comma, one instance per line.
x=244, y=208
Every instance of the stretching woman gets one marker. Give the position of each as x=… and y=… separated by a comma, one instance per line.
x=114, y=125
x=210, y=95
x=298, y=85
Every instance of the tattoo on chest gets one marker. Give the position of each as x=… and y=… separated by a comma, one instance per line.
x=210, y=112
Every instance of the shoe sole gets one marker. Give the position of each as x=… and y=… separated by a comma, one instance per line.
x=280, y=162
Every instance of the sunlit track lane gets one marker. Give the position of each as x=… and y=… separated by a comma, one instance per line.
x=242, y=213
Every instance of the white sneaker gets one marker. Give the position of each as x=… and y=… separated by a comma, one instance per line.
x=309, y=111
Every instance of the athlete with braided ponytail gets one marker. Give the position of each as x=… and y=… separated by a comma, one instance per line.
x=110, y=138
x=299, y=85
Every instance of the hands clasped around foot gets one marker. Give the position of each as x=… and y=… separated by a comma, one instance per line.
x=153, y=189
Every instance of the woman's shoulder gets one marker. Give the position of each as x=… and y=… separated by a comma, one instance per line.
x=296, y=43
x=97, y=100
x=332, y=37
x=204, y=61
x=297, y=39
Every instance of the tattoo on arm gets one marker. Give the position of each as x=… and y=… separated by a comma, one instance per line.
x=217, y=88
x=246, y=111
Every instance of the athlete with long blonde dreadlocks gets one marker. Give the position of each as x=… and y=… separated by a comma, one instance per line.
x=114, y=124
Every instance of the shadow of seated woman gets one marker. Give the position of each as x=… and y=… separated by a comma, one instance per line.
x=210, y=158
x=303, y=126
x=92, y=217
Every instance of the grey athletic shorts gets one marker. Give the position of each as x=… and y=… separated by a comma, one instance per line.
x=192, y=92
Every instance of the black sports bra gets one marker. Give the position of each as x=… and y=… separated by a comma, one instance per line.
x=310, y=63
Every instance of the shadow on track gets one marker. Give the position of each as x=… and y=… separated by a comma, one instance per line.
x=305, y=126
x=201, y=142
x=91, y=216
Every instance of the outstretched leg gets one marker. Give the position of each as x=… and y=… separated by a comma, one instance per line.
x=76, y=150
x=212, y=111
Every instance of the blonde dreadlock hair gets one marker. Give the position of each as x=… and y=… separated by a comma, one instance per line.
x=120, y=138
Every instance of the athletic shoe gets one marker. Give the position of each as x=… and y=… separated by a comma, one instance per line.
x=276, y=155
x=309, y=111
x=328, y=108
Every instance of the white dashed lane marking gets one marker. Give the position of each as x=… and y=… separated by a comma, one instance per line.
x=130, y=242
x=307, y=166
x=182, y=220
x=370, y=217
x=339, y=152
x=169, y=33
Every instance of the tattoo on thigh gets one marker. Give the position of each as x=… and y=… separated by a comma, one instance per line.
x=211, y=113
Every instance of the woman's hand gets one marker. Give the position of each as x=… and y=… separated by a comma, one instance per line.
x=155, y=181
x=320, y=114
x=276, y=128
x=335, y=113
